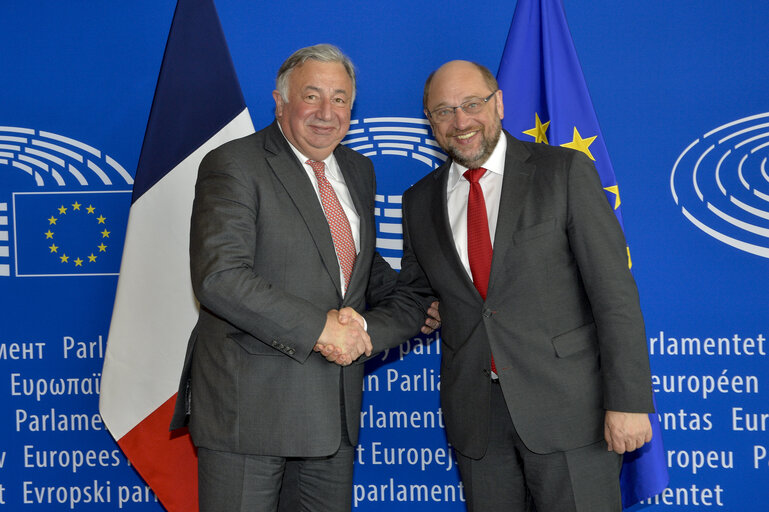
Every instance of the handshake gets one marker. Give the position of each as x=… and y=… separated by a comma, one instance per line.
x=344, y=338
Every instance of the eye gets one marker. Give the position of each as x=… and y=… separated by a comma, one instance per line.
x=311, y=98
x=444, y=112
x=471, y=106
x=339, y=101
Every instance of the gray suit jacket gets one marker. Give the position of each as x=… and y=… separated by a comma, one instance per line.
x=562, y=314
x=265, y=272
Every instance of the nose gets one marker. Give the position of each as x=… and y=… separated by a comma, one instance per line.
x=461, y=119
x=324, y=109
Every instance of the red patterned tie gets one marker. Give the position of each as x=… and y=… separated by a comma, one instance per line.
x=337, y=221
x=478, y=239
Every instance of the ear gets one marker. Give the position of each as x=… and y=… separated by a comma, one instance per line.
x=429, y=119
x=278, y=103
x=500, y=105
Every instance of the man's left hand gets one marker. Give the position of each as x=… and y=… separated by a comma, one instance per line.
x=433, y=320
x=626, y=431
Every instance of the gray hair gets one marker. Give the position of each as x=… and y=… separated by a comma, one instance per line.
x=319, y=52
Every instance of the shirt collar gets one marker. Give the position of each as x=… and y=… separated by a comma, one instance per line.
x=495, y=163
x=330, y=160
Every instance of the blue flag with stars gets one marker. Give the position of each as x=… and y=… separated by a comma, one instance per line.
x=69, y=233
x=540, y=70
x=541, y=73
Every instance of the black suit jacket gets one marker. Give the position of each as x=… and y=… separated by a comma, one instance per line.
x=562, y=314
x=265, y=272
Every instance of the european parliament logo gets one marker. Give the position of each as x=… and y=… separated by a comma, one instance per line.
x=55, y=223
x=721, y=183
x=403, y=150
x=69, y=234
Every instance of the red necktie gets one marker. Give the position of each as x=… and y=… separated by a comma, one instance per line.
x=341, y=233
x=478, y=239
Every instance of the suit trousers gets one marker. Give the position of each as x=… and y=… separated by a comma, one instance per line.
x=236, y=482
x=511, y=478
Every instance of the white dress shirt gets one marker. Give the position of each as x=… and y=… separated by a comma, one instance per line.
x=458, y=189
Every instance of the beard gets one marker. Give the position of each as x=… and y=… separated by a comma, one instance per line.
x=473, y=160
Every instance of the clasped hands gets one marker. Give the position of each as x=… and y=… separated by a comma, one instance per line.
x=344, y=338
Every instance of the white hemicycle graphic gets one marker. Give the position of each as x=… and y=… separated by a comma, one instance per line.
x=52, y=161
x=56, y=160
x=404, y=138
x=721, y=183
x=398, y=136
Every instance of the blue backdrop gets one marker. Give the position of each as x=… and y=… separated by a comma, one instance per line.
x=680, y=90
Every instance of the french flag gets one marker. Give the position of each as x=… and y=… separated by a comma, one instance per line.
x=198, y=106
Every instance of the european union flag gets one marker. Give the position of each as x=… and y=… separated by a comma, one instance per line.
x=541, y=72
x=540, y=69
x=69, y=233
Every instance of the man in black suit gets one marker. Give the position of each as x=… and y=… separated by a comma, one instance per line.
x=282, y=238
x=545, y=376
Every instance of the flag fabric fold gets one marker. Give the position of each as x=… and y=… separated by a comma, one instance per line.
x=541, y=76
x=198, y=105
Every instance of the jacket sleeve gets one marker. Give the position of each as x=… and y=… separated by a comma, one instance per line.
x=222, y=246
x=601, y=253
x=402, y=312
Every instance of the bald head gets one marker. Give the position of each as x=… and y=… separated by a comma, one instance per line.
x=458, y=70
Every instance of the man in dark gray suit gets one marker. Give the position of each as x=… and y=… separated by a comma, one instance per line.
x=545, y=374
x=282, y=238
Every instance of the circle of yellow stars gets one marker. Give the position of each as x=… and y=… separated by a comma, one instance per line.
x=101, y=220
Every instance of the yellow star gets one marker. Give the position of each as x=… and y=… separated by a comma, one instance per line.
x=105, y=234
x=629, y=261
x=52, y=220
x=91, y=258
x=62, y=210
x=64, y=258
x=581, y=144
x=101, y=219
x=53, y=247
x=614, y=189
x=49, y=234
x=539, y=130
x=78, y=262
x=102, y=247
x=90, y=208
x=75, y=205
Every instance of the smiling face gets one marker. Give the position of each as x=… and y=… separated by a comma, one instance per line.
x=468, y=140
x=317, y=114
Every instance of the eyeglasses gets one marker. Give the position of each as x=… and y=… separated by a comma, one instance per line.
x=471, y=107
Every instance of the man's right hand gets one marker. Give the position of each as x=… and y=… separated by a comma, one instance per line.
x=342, y=343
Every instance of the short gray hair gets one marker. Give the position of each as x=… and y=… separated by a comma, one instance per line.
x=319, y=52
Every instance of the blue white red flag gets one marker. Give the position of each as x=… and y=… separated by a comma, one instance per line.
x=198, y=105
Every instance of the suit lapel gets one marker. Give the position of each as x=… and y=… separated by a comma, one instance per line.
x=515, y=187
x=294, y=178
x=440, y=219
